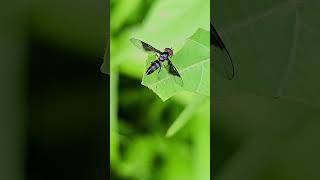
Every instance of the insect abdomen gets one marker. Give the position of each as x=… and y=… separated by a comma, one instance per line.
x=154, y=66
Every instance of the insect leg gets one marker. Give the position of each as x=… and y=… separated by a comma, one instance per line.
x=159, y=63
x=159, y=72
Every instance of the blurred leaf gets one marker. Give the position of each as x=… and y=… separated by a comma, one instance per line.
x=138, y=158
x=193, y=64
x=185, y=116
x=76, y=25
x=114, y=139
x=121, y=12
x=274, y=45
x=144, y=154
x=201, y=138
x=178, y=156
x=165, y=25
x=273, y=62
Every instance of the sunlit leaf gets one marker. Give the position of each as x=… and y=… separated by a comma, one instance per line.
x=193, y=64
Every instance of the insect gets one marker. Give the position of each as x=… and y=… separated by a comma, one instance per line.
x=162, y=57
x=217, y=42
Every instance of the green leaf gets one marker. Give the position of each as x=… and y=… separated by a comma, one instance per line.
x=122, y=11
x=193, y=64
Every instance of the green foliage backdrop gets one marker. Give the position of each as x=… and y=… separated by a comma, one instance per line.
x=162, y=132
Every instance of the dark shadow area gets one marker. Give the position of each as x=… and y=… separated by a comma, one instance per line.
x=68, y=105
x=265, y=121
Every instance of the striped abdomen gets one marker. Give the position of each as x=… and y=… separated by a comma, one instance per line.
x=154, y=66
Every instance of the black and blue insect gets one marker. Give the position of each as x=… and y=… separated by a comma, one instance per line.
x=162, y=57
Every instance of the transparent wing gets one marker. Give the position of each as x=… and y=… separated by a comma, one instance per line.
x=227, y=61
x=173, y=71
x=144, y=46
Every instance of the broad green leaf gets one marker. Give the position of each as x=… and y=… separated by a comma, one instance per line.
x=193, y=64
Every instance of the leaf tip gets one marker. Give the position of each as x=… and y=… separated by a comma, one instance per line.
x=169, y=133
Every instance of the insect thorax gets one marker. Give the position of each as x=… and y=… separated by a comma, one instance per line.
x=163, y=57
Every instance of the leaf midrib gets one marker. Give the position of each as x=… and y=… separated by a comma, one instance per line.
x=206, y=47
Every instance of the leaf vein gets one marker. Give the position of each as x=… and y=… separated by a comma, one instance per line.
x=182, y=71
x=200, y=44
x=200, y=82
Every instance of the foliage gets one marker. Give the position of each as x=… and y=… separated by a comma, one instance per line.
x=193, y=64
x=139, y=119
x=274, y=46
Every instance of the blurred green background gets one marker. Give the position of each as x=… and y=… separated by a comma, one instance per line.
x=54, y=99
x=54, y=103
x=139, y=148
x=275, y=48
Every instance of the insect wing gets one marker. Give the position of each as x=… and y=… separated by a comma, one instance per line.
x=227, y=61
x=144, y=46
x=173, y=71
